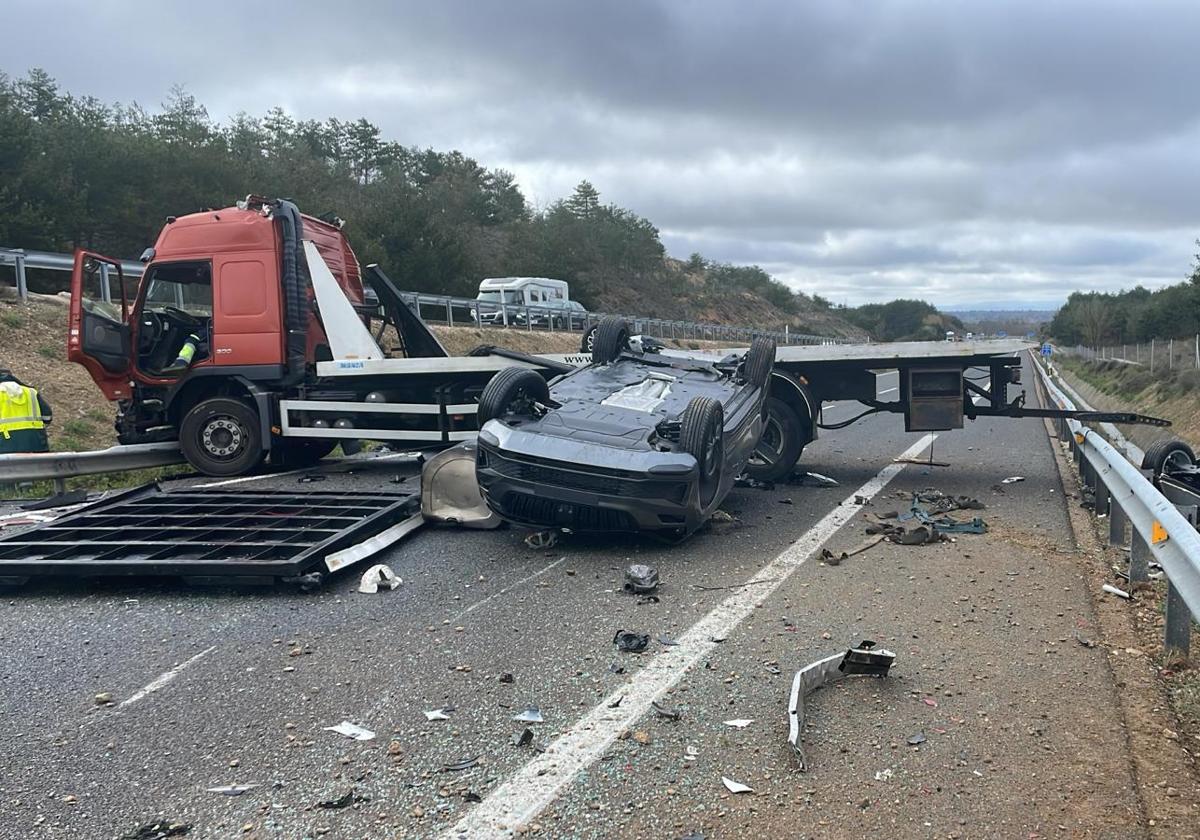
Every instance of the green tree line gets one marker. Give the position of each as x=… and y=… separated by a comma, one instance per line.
x=902, y=320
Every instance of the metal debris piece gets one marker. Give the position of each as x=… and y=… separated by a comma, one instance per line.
x=666, y=711
x=1013, y=479
x=231, y=790
x=462, y=764
x=629, y=642
x=439, y=714
x=472, y=796
x=812, y=479
x=507, y=677
x=647, y=599
x=1083, y=640
x=310, y=478
x=531, y=715
x=864, y=659
x=667, y=641
x=641, y=579
x=735, y=787
x=344, y=801
x=378, y=577
x=884, y=774
x=104, y=698
x=523, y=738
x=541, y=539
x=351, y=730
x=831, y=559
x=158, y=830
x=917, y=739
x=691, y=753
x=616, y=668
x=1112, y=590
x=753, y=483
x=450, y=491
x=739, y=723
x=616, y=704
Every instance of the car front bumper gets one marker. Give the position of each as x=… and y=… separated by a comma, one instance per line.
x=541, y=481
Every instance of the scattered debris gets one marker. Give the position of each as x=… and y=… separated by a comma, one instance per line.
x=641, y=737
x=343, y=801
x=666, y=711
x=739, y=723
x=864, y=659
x=541, y=539
x=378, y=577
x=917, y=739
x=929, y=701
x=733, y=585
x=647, y=599
x=1112, y=590
x=616, y=668
x=787, y=501
x=919, y=462
x=861, y=500
x=351, y=730
x=523, y=738
x=462, y=764
x=507, y=677
x=1013, y=479
x=104, y=698
x=884, y=774
x=616, y=704
x=1083, y=640
x=439, y=714
x=753, y=483
x=641, y=579
x=629, y=642
x=735, y=787
x=310, y=478
x=531, y=715
x=691, y=753
x=832, y=559
x=231, y=790
x=472, y=796
x=158, y=830
x=667, y=641
x=812, y=479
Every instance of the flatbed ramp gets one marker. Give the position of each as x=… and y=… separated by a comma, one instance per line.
x=212, y=536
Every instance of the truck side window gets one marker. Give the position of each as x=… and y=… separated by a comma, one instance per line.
x=176, y=313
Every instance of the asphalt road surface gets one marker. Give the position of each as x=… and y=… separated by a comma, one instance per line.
x=215, y=687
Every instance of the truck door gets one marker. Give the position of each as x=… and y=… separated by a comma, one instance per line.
x=98, y=322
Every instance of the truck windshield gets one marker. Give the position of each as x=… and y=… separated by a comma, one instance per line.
x=185, y=286
x=510, y=297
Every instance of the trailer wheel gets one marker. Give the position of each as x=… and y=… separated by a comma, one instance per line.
x=221, y=436
x=513, y=390
x=782, y=441
x=760, y=361
x=702, y=435
x=589, y=339
x=297, y=453
x=1167, y=453
x=612, y=337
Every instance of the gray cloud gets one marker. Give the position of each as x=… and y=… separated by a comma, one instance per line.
x=957, y=152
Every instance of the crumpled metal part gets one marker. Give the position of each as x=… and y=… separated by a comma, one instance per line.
x=863, y=660
x=378, y=577
x=450, y=491
x=641, y=579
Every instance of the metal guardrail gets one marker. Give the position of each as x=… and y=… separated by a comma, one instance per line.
x=470, y=312
x=1132, y=451
x=1159, y=530
x=45, y=466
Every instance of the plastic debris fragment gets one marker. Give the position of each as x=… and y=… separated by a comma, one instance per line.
x=378, y=577
x=735, y=787
x=351, y=730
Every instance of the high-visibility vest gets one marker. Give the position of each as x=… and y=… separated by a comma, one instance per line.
x=20, y=412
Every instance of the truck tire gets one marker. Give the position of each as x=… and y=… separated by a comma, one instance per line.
x=782, y=441
x=589, y=339
x=1169, y=452
x=612, y=337
x=297, y=453
x=702, y=435
x=221, y=436
x=760, y=361
x=512, y=390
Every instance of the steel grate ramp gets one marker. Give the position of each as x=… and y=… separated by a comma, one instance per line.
x=258, y=536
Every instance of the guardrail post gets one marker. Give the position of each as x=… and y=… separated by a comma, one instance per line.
x=19, y=267
x=1116, y=524
x=449, y=313
x=1139, y=559
x=1102, y=497
x=1178, y=619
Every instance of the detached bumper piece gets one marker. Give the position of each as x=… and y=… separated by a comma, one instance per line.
x=864, y=660
x=210, y=536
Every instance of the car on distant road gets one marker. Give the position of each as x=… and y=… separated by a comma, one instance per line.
x=638, y=440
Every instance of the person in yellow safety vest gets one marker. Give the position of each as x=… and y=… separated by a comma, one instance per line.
x=23, y=416
x=186, y=354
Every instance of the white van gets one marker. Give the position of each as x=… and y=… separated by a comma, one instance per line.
x=502, y=292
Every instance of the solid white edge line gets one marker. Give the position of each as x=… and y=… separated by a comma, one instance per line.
x=162, y=679
x=531, y=789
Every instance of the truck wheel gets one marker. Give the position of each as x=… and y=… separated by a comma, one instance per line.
x=512, y=391
x=221, y=436
x=589, y=339
x=782, y=441
x=612, y=337
x=297, y=453
x=702, y=435
x=1167, y=453
x=760, y=361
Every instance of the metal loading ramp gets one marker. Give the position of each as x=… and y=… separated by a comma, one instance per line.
x=212, y=536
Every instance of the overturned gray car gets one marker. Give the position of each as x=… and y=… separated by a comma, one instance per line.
x=640, y=439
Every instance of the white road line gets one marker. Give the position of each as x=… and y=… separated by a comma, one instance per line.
x=538, y=783
x=888, y=391
x=164, y=678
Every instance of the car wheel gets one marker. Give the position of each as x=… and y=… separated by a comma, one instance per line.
x=612, y=338
x=702, y=435
x=589, y=339
x=760, y=361
x=1167, y=453
x=512, y=391
x=297, y=453
x=221, y=436
x=781, y=443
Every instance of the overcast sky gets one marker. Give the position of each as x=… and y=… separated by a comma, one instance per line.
x=962, y=152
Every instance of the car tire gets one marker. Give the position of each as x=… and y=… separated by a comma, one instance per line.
x=1167, y=452
x=298, y=453
x=760, y=361
x=783, y=438
x=221, y=436
x=508, y=389
x=589, y=339
x=612, y=338
x=702, y=435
